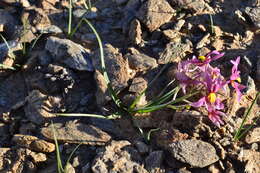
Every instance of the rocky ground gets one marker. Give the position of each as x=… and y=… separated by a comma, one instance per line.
x=61, y=74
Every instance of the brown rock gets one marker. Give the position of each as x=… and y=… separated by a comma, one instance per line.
x=193, y=152
x=253, y=136
x=138, y=85
x=118, y=157
x=75, y=132
x=38, y=107
x=135, y=32
x=33, y=143
x=141, y=62
x=252, y=160
x=155, y=13
x=116, y=66
x=173, y=52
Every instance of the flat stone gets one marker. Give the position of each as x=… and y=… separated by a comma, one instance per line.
x=253, y=135
x=141, y=62
x=69, y=53
x=33, y=143
x=155, y=13
x=254, y=15
x=193, y=152
x=117, y=157
x=76, y=132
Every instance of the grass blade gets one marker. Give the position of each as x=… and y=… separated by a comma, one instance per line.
x=71, y=154
x=70, y=17
x=239, y=132
x=59, y=162
x=157, y=107
x=9, y=49
x=138, y=98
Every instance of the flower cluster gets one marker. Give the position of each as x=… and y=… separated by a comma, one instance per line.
x=198, y=72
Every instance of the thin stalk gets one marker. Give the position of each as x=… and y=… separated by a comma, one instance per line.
x=239, y=133
x=3, y=66
x=59, y=163
x=211, y=24
x=9, y=49
x=103, y=67
x=70, y=17
x=132, y=106
x=71, y=154
x=157, y=107
x=35, y=41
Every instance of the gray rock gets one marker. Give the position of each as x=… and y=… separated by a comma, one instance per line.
x=135, y=32
x=205, y=40
x=79, y=13
x=3, y=152
x=107, y=125
x=116, y=66
x=13, y=45
x=69, y=53
x=38, y=107
x=33, y=143
x=138, y=85
x=121, y=2
x=9, y=22
x=193, y=152
x=258, y=70
x=254, y=15
x=179, y=24
x=153, y=162
x=141, y=62
x=52, y=29
x=251, y=158
x=141, y=147
x=253, y=135
x=76, y=132
x=194, y=5
x=174, y=52
x=155, y=13
x=10, y=94
x=116, y=157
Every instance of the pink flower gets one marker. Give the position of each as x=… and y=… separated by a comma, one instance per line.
x=205, y=60
x=182, y=76
x=235, y=78
x=210, y=101
x=215, y=117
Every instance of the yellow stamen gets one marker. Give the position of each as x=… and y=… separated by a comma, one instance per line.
x=212, y=97
x=202, y=58
x=238, y=79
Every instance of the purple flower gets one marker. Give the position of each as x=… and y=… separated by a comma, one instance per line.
x=210, y=101
x=205, y=60
x=182, y=76
x=215, y=117
x=235, y=79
